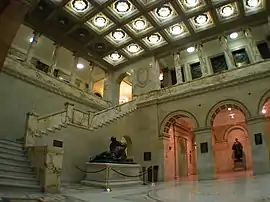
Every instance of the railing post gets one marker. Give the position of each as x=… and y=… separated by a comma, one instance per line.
x=69, y=108
x=31, y=129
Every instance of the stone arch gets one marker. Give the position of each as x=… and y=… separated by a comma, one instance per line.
x=121, y=77
x=227, y=132
x=262, y=101
x=171, y=118
x=223, y=105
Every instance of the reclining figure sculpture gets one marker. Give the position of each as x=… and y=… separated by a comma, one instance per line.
x=116, y=154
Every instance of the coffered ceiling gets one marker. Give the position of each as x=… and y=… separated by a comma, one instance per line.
x=114, y=33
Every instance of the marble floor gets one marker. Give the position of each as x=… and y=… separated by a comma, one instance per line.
x=248, y=189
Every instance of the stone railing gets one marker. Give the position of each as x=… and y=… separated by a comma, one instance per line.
x=15, y=67
x=48, y=163
x=209, y=83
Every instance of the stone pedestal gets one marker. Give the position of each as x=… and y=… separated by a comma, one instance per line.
x=108, y=175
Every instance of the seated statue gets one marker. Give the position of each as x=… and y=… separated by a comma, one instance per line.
x=116, y=154
x=237, y=151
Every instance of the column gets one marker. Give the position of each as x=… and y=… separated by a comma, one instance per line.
x=31, y=47
x=205, y=155
x=228, y=55
x=187, y=72
x=91, y=79
x=260, y=152
x=72, y=79
x=54, y=58
x=111, y=89
x=177, y=66
x=255, y=53
x=11, y=18
x=202, y=60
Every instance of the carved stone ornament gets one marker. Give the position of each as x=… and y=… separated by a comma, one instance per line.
x=143, y=77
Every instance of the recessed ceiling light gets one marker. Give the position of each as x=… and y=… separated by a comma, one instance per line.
x=191, y=3
x=234, y=35
x=80, y=5
x=133, y=48
x=122, y=6
x=201, y=19
x=191, y=49
x=154, y=38
x=80, y=66
x=118, y=35
x=229, y=109
x=176, y=29
x=139, y=24
x=252, y=3
x=164, y=11
x=227, y=11
x=100, y=21
x=115, y=56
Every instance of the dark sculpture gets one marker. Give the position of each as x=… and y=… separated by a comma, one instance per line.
x=237, y=151
x=116, y=154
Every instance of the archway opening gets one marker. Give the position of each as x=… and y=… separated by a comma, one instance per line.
x=231, y=142
x=129, y=150
x=180, y=150
x=125, y=88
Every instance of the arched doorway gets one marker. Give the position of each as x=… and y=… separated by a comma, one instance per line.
x=129, y=150
x=124, y=87
x=180, y=152
x=228, y=124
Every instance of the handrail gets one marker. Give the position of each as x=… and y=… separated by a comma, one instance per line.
x=52, y=114
x=117, y=106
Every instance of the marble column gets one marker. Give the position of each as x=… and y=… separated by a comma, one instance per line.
x=54, y=58
x=202, y=59
x=91, y=79
x=187, y=72
x=255, y=53
x=177, y=66
x=205, y=161
x=11, y=18
x=228, y=54
x=260, y=153
x=31, y=47
x=111, y=89
x=72, y=79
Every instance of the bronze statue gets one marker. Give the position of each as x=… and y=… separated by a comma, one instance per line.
x=116, y=154
x=237, y=151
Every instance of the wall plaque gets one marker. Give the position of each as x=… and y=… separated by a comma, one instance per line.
x=58, y=143
x=147, y=156
x=204, y=147
x=258, y=139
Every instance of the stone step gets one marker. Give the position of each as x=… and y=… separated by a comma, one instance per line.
x=11, y=142
x=11, y=147
x=13, y=157
x=25, y=179
x=9, y=166
x=18, y=185
x=14, y=162
x=12, y=152
x=18, y=173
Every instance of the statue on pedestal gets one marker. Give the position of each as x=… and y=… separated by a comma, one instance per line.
x=237, y=151
x=116, y=154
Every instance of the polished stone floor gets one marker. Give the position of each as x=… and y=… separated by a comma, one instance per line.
x=248, y=189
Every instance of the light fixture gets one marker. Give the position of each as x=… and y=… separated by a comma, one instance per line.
x=118, y=35
x=234, y=35
x=80, y=5
x=164, y=11
x=122, y=6
x=31, y=40
x=191, y=49
x=232, y=115
x=229, y=109
x=80, y=66
x=201, y=19
x=191, y=3
x=176, y=29
x=61, y=78
x=154, y=38
x=263, y=111
x=115, y=56
x=123, y=99
x=252, y=3
x=100, y=21
x=161, y=76
x=139, y=24
x=133, y=48
x=227, y=11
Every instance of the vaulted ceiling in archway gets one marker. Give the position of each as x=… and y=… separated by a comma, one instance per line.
x=114, y=33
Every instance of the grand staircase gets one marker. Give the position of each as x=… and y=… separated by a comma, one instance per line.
x=16, y=173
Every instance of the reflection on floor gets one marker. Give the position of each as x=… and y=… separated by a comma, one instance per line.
x=248, y=189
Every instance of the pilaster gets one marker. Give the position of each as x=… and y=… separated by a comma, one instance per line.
x=205, y=156
x=54, y=58
x=260, y=152
x=91, y=79
x=228, y=54
x=111, y=89
x=31, y=47
x=72, y=80
x=202, y=59
x=177, y=66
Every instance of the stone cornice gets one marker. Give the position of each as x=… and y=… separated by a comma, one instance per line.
x=207, y=84
x=258, y=119
x=17, y=69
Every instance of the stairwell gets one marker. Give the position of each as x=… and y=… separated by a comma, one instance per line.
x=16, y=174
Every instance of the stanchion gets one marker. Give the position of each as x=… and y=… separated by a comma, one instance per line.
x=153, y=182
x=107, y=179
x=143, y=171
